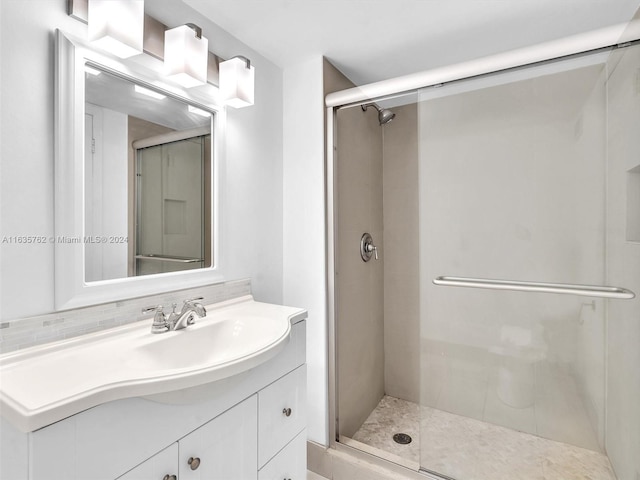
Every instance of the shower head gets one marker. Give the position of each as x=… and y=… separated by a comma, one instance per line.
x=384, y=114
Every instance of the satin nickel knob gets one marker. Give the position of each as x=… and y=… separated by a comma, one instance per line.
x=286, y=412
x=194, y=463
x=367, y=248
x=170, y=477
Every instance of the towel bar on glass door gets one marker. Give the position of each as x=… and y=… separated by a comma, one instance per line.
x=166, y=258
x=584, y=290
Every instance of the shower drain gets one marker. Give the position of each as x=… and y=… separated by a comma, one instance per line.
x=402, y=438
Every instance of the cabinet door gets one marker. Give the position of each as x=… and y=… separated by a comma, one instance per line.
x=282, y=407
x=226, y=448
x=290, y=463
x=158, y=467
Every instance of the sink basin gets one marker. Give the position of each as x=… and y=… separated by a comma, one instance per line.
x=215, y=342
x=44, y=384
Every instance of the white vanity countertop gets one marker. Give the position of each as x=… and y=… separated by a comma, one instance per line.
x=44, y=384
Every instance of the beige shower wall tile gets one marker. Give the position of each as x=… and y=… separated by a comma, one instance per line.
x=401, y=148
x=359, y=285
x=401, y=336
x=401, y=254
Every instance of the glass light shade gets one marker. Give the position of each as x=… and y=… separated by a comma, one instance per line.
x=117, y=26
x=185, y=56
x=237, y=83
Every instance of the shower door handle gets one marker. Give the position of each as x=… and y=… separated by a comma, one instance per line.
x=601, y=291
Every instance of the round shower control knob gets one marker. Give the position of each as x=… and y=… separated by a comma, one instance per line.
x=367, y=248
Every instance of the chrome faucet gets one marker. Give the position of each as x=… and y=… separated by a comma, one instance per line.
x=176, y=321
x=186, y=317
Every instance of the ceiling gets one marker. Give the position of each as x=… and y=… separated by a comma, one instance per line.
x=372, y=40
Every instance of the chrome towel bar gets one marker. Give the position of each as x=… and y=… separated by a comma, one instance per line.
x=166, y=258
x=583, y=290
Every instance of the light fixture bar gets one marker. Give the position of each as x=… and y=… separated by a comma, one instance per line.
x=153, y=43
x=195, y=28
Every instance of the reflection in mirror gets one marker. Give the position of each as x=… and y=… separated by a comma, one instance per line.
x=147, y=180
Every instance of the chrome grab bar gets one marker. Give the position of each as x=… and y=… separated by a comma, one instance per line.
x=166, y=258
x=565, y=288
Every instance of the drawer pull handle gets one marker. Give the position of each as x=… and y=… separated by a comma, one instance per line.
x=286, y=412
x=170, y=477
x=194, y=463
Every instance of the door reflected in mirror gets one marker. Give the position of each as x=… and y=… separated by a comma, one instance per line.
x=147, y=182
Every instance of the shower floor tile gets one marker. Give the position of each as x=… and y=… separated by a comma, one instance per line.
x=469, y=449
x=392, y=416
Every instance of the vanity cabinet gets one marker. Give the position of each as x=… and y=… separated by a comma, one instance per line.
x=161, y=465
x=245, y=427
x=224, y=448
x=282, y=414
x=290, y=463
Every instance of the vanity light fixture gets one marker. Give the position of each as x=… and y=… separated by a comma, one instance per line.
x=198, y=111
x=186, y=54
x=117, y=26
x=148, y=92
x=237, y=78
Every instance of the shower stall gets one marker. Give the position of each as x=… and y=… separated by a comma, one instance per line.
x=484, y=254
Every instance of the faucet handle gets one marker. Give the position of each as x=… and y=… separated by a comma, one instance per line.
x=159, y=321
x=194, y=305
x=155, y=308
x=194, y=299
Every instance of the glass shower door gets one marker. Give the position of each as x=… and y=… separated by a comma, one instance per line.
x=170, y=207
x=513, y=234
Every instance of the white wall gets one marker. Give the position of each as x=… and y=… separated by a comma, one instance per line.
x=106, y=171
x=304, y=265
x=27, y=150
x=251, y=170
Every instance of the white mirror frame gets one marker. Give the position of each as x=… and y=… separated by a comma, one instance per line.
x=71, y=290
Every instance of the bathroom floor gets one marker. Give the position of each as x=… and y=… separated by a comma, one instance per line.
x=469, y=449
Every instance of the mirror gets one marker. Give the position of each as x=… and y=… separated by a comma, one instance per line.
x=147, y=165
x=136, y=175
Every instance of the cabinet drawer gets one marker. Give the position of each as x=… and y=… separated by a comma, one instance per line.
x=290, y=463
x=281, y=413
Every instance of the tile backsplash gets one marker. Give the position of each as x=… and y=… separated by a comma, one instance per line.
x=27, y=332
